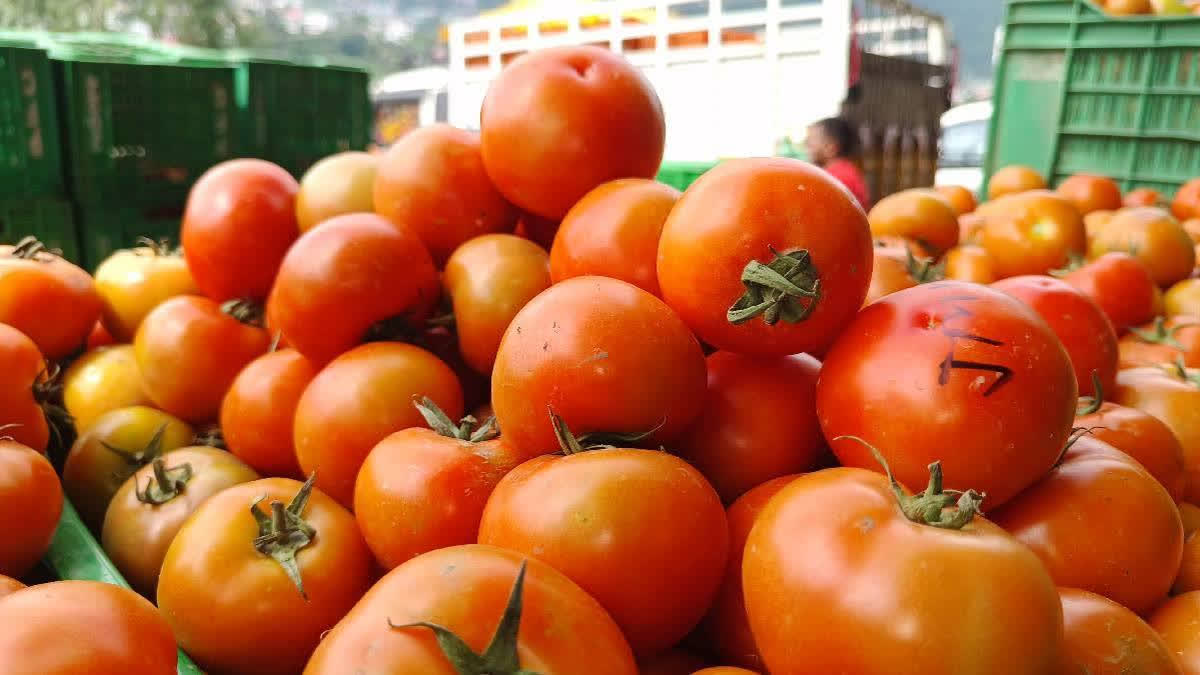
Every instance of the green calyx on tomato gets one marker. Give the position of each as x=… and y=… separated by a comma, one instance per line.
x=282, y=533
x=211, y=437
x=156, y=247
x=930, y=507
x=467, y=429
x=923, y=270
x=1090, y=404
x=47, y=391
x=1075, y=260
x=570, y=444
x=249, y=312
x=1179, y=369
x=136, y=459
x=165, y=485
x=29, y=248
x=1159, y=334
x=500, y=657
x=787, y=288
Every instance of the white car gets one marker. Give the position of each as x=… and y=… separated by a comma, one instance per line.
x=962, y=145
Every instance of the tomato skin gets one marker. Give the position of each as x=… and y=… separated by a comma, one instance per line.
x=259, y=410
x=1186, y=203
x=465, y=589
x=136, y=535
x=736, y=213
x=99, y=337
x=102, y=380
x=960, y=198
x=1144, y=438
x=1190, y=514
x=806, y=555
x=48, y=299
x=614, y=521
x=110, y=631
x=613, y=231
x=1033, y=233
x=433, y=181
x=883, y=378
x=1183, y=298
x=1175, y=620
x=1104, y=638
x=1090, y=193
x=1014, y=179
x=724, y=670
x=336, y=425
x=259, y=622
x=23, y=368
x=1183, y=343
x=31, y=501
x=1121, y=285
x=239, y=220
x=8, y=585
x=189, y=352
x=1142, y=197
x=1160, y=392
x=338, y=184
x=583, y=115
x=489, y=279
x=1153, y=237
x=418, y=491
x=589, y=335
x=134, y=281
x=919, y=214
x=759, y=421
x=327, y=295
x=969, y=263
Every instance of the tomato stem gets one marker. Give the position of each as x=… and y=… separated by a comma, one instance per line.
x=598, y=440
x=156, y=247
x=1094, y=401
x=47, y=392
x=1180, y=369
x=136, y=459
x=787, y=288
x=30, y=247
x=468, y=428
x=165, y=485
x=1075, y=260
x=1159, y=334
x=923, y=270
x=210, y=436
x=249, y=312
x=283, y=533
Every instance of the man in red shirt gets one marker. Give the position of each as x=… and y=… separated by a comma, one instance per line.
x=830, y=144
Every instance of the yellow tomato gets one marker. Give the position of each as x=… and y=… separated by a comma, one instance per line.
x=339, y=184
x=134, y=281
x=1183, y=298
x=101, y=380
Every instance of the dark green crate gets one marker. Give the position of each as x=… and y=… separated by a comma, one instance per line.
x=50, y=220
x=1080, y=91
x=105, y=228
x=680, y=175
x=30, y=153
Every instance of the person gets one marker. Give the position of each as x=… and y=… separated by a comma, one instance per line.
x=831, y=143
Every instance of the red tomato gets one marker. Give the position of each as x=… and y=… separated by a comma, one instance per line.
x=337, y=423
x=239, y=221
x=1144, y=438
x=432, y=181
x=759, y=421
x=1120, y=285
x=31, y=500
x=99, y=337
x=83, y=628
x=1143, y=197
x=1077, y=519
x=287, y=573
x=23, y=390
x=558, y=122
x=470, y=591
x=1104, y=638
x=922, y=215
x=832, y=558
x=1175, y=620
x=1014, y=179
x=1172, y=394
x=1032, y=233
x=189, y=350
x=967, y=356
x=613, y=232
x=259, y=410
x=787, y=224
x=47, y=298
x=1091, y=193
x=1162, y=341
x=330, y=290
x=1186, y=203
x=607, y=356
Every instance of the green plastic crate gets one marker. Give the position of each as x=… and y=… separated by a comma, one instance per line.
x=30, y=153
x=1080, y=91
x=50, y=220
x=105, y=228
x=680, y=175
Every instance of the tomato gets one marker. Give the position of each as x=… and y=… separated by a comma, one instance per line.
x=8, y=585
x=613, y=232
x=31, y=501
x=961, y=199
x=1104, y=638
x=786, y=223
x=1188, y=578
x=832, y=558
x=1120, y=285
x=759, y=421
x=1183, y=298
x=489, y=279
x=1186, y=203
x=47, y=298
x=724, y=670
x=1095, y=221
x=1152, y=236
x=1162, y=341
x=328, y=295
x=607, y=356
x=895, y=245
x=337, y=422
x=671, y=662
x=189, y=350
x=1144, y=438
x=338, y=184
x=969, y=263
x=118, y=443
x=1090, y=193
x=1175, y=620
x=582, y=115
x=433, y=181
x=1192, y=227
x=147, y=512
x=239, y=221
x=99, y=337
x=1143, y=197
x=1190, y=514
x=134, y=281
x=23, y=390
x=615, y=520
x=100, y=381
x=259, y=410
x=970, y=227
x=470, y=591
x=921, y=215
x=1014, y=179
x=892, y=271
x=1172, y=394
x=1079, y=322
x=286, y=575
x=1080, y=517
x=971, y=358
x=421, y=489
x=83, y=628
x=1033, y=233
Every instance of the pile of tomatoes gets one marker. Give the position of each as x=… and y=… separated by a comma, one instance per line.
x=500, y=403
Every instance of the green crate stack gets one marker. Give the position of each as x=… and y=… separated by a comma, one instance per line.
x=108, y=227
x=30, y=154
x=680, y=175
x=1080, y=91
x=50, y=219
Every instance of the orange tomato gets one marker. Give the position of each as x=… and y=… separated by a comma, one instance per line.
x=1014, y=179
x=970, y=227
x=1190, y=514
x=47, y=298
x=134, y=281
x=1175, y=620
x=918, y=214
x=724, y=670
x=31, y=500
x=1144, y=438
x=1143, y=197
x=1095, y=221
x=1121, y=285
x=1032, y=233
x=893, y=271
x=1090, y=193
x=1172, y=394
x=259, y=410
x=1192, y=227
x=1104, y=638
x=1186, y=203
x=1152, y=236
x=960, y=198
x=23, y=390
x=671, y=662
x=1162, y=341
x=969, y=263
